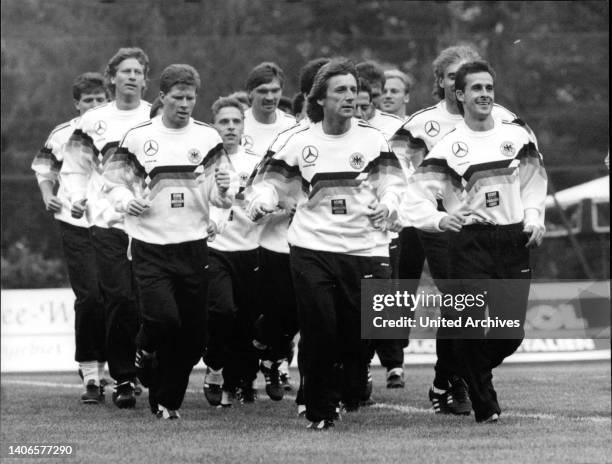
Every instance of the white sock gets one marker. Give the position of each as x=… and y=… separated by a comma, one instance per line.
x=395, y=371
x=90, y=371
x=101, y=370
x=437, y=390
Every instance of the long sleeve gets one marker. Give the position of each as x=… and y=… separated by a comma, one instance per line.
x=78, y=164
x=533, y=183
x=123, y=178
x=45, y=165
x=277, y=178
x=215, y=159
x=389, y=179
x=432, y=180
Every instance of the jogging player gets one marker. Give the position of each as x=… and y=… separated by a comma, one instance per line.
x=88, y=91
x=162, y=177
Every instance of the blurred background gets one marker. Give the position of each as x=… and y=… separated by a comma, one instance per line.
x=551, y=58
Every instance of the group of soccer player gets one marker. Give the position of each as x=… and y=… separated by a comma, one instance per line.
x=187, y=241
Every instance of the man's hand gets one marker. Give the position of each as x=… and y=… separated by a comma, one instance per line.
x=395, y=226
x=378, y=213
x=452, y=222
x=137, y=206
x=212, y=230
x=259, y=210
x=78, y=208
x=222, y=179
x=536, y=235
x=53, y=204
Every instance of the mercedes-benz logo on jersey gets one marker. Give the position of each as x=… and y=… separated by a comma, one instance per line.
x=247, y=141
x=460, y=149
x=99, y=127
x=194, y=156
x=432, y=128
x=310, y=154
x=507, y=149
x=150, y=147
x=357, y=161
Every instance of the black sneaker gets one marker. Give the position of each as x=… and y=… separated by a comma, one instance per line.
x=167, y=414
x=273, y=387
x=213, y=381
x=492, y=419
x=350, y=407
x=320, y=425
x=104, y=382
x=93, y=394
x=461, y=405
x=146, y=367
x=124, y=395
x=441, y=402
x=247, y=394
x=395, y=378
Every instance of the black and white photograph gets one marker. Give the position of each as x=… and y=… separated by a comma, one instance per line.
x=305, y=231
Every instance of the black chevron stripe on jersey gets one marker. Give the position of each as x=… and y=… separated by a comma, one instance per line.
x=107, y=151
x=385, y=159
x=123, y=158
x=213, y=155
x=278, y=166
x=405, y=134
x=490, y=166
x=83, y=139
x=45, y=157
x=441, y=166
x=530, y=151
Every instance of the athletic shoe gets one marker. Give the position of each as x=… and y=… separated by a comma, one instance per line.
x=442, y=401
x=247, y=394
x=301, y=410
x=227, y=398
x=350, y=407
x=273, y=387
x=395, y=378
x=212, y=386
x=320, y=425
x=168, y=414
x=93, y=393
x=124, y=396
x=146, y=367
x=104, y=382
x=492, y=419
x=461, y=405
x=285, y=378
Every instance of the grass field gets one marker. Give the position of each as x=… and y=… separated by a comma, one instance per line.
x=557, y=413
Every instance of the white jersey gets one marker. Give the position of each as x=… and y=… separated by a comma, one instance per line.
x=425, y=128
x=94, y=140
x=491, y=177
x=387, y=123
x=174, y=170
x=332, y=179
x=236, y=230
x=258, y=137
x=47, y=165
